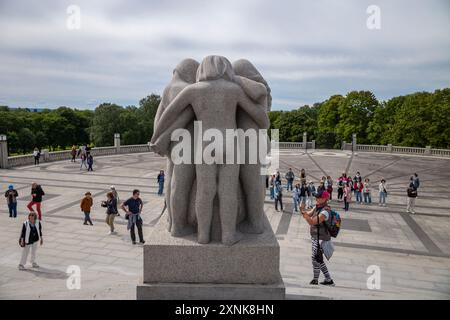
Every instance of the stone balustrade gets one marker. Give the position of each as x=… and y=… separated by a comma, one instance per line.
x=24, y=160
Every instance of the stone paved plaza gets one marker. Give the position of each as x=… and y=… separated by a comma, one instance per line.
x=412, y=252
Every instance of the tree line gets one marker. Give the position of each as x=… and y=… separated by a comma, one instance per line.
x=415, y=120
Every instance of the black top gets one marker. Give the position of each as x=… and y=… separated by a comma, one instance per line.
x=11, y=196
x=33, y=232
x=111, y=206
x=133, y=205
x=38, y=193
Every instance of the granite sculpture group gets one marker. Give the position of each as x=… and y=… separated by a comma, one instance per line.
x=220, y=202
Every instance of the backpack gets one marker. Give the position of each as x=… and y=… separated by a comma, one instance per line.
x=333, y=223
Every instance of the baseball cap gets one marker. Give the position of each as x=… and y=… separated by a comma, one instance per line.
x=10, y=187
x=323, y=195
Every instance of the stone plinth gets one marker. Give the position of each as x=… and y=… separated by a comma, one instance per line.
x=181, y=268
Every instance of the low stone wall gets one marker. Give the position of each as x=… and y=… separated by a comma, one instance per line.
x=296, y=145
x=402, y=150
x=46, y=156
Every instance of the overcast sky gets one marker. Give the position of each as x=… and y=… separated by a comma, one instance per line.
x=307, y=50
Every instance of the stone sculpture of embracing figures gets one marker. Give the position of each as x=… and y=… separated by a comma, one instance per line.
x=219, y=201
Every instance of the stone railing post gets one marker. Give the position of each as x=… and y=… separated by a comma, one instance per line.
x=117, y=142
x=314, y=144
x=428, y=150
x=354, y=146
x=45, y=155
x=3, y=152
x=389, y=148
x=343, y=145
x=305, y=139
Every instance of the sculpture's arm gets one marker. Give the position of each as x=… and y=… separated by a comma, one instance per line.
x=162, y=106
x=254, y=90
x=256, y=111
x=172, y=112
x=162, y=144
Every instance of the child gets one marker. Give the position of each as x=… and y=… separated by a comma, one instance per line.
x=90, y=162
x=366, y=191
x=86, y=205
x=347, y=195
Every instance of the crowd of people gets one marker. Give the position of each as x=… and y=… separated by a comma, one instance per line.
x=31, y=232
x=312, y=202
x=349, y=189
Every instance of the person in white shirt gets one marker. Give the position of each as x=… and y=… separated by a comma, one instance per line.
x=383, y=193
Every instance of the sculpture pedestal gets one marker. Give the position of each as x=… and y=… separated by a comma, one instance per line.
x=180, y=268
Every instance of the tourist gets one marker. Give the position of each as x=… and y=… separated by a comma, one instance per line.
x=278, y=176
x=412, y=195
x=86, y=205
x=29, y=237
x=321, y=187
x=36, y=155
x=357, y=177
x=160, y=180
x=267, y=181
x=90, y=162
x=311, y=195
x=83, y=160
x=302, y=176
x=133, y=211
x=366, y=191
x=36, y=199
x=329, y=186
x=278, y=193
x=73, y=153
x=272, y=187
x=116, y=195
x=87, y=149
x=111, y=211
x=347, y=195
x=11, y=196
x=383, y=193
x=358, y=188
x=317, y=218
x=416, y=181
x=340, y=185
x=296, y=197
x=290, y=179
x=303, y=193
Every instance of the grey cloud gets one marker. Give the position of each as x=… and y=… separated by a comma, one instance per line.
x=306, y=50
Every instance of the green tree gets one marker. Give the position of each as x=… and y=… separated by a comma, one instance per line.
x=105, y=124
x=355, y=114
x=327, y=120
x=26, y=140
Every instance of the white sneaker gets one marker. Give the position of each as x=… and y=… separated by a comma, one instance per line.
x=35, y=265
x=21, y=267
x=109, y=233
x=413, y=212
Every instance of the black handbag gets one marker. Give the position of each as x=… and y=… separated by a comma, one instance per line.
x=319, y=253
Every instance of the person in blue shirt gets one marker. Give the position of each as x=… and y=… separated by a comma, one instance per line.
x=133, y=208
x=160, y=180
x=278, y=195
x=296, y=197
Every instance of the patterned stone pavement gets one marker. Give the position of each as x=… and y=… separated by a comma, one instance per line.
x=411, y=252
